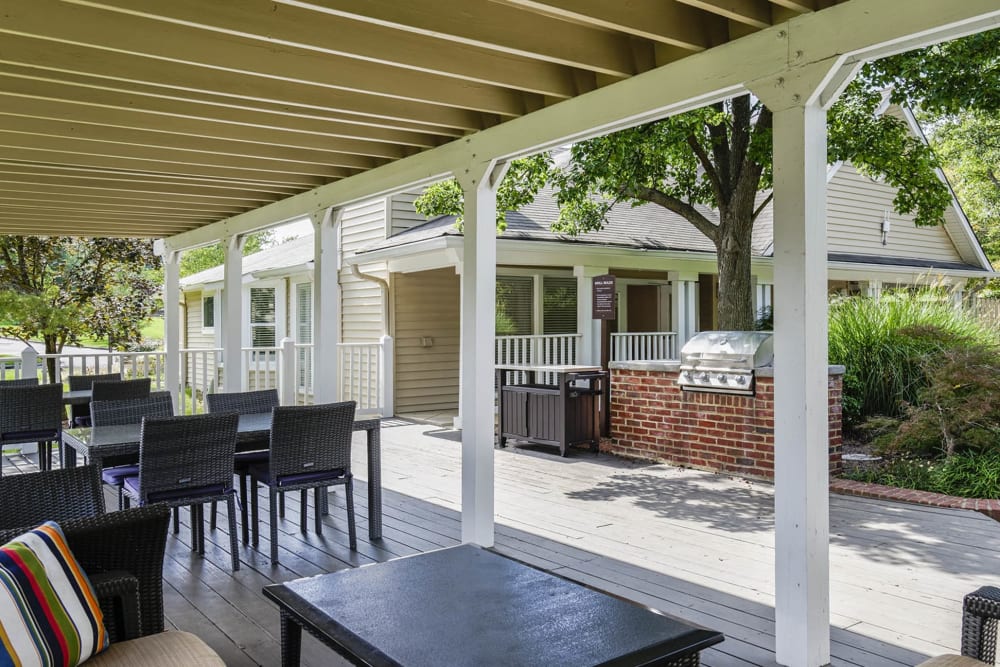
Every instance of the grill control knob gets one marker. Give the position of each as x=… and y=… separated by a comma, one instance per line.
x=705, y=377
x=741, y=380
x=722, y=377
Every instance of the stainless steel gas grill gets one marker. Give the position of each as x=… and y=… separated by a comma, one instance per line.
x=723, y=362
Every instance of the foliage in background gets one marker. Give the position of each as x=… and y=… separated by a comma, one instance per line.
x=884, y=341
x=968, y=475
x=958, y=409
x=58, y=288
x=205, y=257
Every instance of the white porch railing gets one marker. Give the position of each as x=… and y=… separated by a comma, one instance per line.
x=645, y=346
x=366, y=375
x=128, y=364
x=201, y=373
x=537, y=350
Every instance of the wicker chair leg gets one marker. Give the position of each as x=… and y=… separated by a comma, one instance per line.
x=351, y=532
x=255, y=512
x=281, y=505
x=177, y=519
x=303, y=510
x=325, y=501
x=243, y=508
x=212, y=520
x=318, y=507
x=274, y=525
x=233, y=546
x=123, y=501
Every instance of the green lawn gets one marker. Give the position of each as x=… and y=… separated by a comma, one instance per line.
x=153, y=330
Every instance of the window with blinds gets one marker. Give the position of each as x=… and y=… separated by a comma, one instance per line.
x=558, y=305
x=304, y=332
x=208, y=311
x=513, y=308
x=263, y=325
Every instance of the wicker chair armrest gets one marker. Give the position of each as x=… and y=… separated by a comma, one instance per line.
x=133, y=540
x=118, y=594
x=981, y=610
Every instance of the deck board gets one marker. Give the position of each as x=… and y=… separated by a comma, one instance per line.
x=691, y=544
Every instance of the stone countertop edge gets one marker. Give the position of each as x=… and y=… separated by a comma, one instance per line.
x=674, y=366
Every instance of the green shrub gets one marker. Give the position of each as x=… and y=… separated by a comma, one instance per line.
x=884, y=341
x=958, y=409
x=969, y=475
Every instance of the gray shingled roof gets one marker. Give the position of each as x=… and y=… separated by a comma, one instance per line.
x=648, y=227
x=291, y=253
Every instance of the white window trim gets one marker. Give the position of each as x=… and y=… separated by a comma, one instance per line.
x=280, y=309
x=216, y=296
x=294, y=319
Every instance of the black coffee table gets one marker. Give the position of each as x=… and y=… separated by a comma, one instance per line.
x=470, y=606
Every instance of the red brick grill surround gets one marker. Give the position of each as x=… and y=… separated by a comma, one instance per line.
x=652, y=419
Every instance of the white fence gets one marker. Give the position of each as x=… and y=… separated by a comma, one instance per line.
x=539, y=350
x=365, y=372
x=645, y=346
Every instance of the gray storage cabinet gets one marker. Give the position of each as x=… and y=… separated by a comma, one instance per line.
x=566, y=413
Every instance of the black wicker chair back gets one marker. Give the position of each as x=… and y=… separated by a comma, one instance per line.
x=32, y=414
x=53, y=495
x=243, y=402
x=20, y=382
x=310, y=449
x=80, y=412
x=187, y=452
x=131, y=411
x=188, y=460
x=311, y=438
x=118, y=390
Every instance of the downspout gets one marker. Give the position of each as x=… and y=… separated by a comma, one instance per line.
x=384, y=287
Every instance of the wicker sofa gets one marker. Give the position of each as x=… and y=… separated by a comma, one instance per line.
x=980, y=612
x=122, y=554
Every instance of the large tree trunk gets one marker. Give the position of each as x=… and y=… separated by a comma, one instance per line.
x=51, y=347
x=735, y=285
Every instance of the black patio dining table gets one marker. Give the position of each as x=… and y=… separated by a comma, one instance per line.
x=101, y=442
x=77, y=397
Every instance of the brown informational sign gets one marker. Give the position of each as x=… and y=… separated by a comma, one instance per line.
x=604, y=297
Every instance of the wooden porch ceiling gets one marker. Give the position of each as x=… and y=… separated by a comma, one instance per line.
x=151, y=118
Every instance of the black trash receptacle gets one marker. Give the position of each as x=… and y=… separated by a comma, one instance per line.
x=566, y=413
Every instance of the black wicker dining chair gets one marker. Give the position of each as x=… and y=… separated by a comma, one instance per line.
x=310, y=449
x=32, y=414
x=79, y=413
x=980, y=614
x=51, y=495
x=128, y=411
x=20, y=382
x=120, y=390
x=244, y=403
x=187, y=460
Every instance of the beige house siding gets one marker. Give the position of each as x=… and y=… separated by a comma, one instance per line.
x=427, y=316
x=361, y=300
x=404, y=215
x=856, y=206
x=196, y=338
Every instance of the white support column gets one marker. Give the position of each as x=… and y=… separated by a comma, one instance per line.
x=683, y=306
x=873, y=289
x=801, y=420
x=233, y=378
x=171, y=325
x=286, y=371
x=479, y=259
x=589, y=353
x=326, y=304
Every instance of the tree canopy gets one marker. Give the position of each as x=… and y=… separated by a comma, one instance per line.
x=721, y=157
x=198, y=259
x=60, y=288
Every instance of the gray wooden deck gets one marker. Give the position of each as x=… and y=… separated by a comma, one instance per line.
x=695, y=545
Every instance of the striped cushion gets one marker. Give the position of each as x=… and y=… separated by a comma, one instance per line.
x=48, y=610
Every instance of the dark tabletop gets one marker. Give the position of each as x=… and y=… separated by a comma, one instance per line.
x=469, y=606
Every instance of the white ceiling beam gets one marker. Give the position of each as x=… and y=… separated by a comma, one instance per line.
x=85, y=142
x=35, y=199
x=755, y=13
x=186, y=79
x=184, y=49
x=297, y=27
x=859, y=28
x=16, y=115
x=657, y=20
x=488, y=25
x=63, y=88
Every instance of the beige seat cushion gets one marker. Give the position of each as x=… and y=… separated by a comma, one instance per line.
x=160, y=650
x=946, y=661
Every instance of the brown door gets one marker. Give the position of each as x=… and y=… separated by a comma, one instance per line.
x=643, y=308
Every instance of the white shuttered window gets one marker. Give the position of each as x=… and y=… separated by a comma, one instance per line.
x=263, y=320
